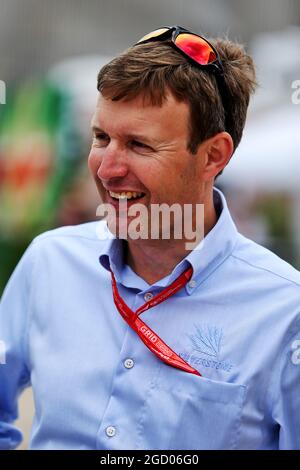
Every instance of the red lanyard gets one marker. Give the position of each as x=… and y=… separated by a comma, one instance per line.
x=148, y=336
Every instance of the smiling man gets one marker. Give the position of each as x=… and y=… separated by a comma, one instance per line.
x=140, y=150
x=140, y=342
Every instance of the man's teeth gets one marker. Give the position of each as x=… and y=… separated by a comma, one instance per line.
x=125, y=195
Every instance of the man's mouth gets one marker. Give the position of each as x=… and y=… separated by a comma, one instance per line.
x=126, y=195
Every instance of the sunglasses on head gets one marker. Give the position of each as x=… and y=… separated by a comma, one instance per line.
x=196, y=49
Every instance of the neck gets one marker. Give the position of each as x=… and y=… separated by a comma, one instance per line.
x=152, y=260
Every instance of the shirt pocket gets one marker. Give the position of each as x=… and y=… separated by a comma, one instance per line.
x=185, y=411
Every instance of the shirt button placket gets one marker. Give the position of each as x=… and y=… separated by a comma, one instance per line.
x=110, y=431
x=192, y=284
x=148, y=296
x=128, y=363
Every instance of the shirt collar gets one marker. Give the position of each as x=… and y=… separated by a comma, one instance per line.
x=211, y=252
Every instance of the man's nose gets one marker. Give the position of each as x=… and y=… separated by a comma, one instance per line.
x=113, y=163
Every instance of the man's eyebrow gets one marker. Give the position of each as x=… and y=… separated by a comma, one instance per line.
x=96, y=128
x=131, y=135
x=140, y=137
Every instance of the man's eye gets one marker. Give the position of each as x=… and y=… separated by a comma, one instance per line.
x=136, y=143
x=101, y=137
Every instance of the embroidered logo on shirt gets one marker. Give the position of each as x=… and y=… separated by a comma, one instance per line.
x=207, y=341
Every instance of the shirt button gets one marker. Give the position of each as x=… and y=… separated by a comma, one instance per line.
x=128, y=363
x=110, y=431
x=192, y=284
x=148, y=296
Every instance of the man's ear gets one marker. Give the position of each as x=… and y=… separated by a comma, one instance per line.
x=218, y=151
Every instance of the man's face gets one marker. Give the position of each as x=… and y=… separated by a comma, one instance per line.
x=142, y=148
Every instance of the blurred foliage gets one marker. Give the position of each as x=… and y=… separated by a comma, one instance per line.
x=40, y=155
x=276, y=211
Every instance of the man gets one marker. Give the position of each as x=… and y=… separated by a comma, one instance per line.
x=159, y=346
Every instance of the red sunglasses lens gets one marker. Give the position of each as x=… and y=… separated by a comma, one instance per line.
x=196, y=48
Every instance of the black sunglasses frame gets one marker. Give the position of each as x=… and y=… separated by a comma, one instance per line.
x=216, y=67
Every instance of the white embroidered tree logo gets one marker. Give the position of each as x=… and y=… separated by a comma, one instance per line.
x=207, y=340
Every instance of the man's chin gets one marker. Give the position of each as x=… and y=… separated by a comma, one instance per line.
x=128, y=228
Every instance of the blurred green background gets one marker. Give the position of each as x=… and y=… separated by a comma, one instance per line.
x=40, y=158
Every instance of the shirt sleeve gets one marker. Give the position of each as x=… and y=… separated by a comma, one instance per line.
x=14, y=361
x=285, y=389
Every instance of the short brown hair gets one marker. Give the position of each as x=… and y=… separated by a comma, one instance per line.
x=154, y=68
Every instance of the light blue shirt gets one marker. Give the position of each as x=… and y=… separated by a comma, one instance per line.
x=97, y=386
